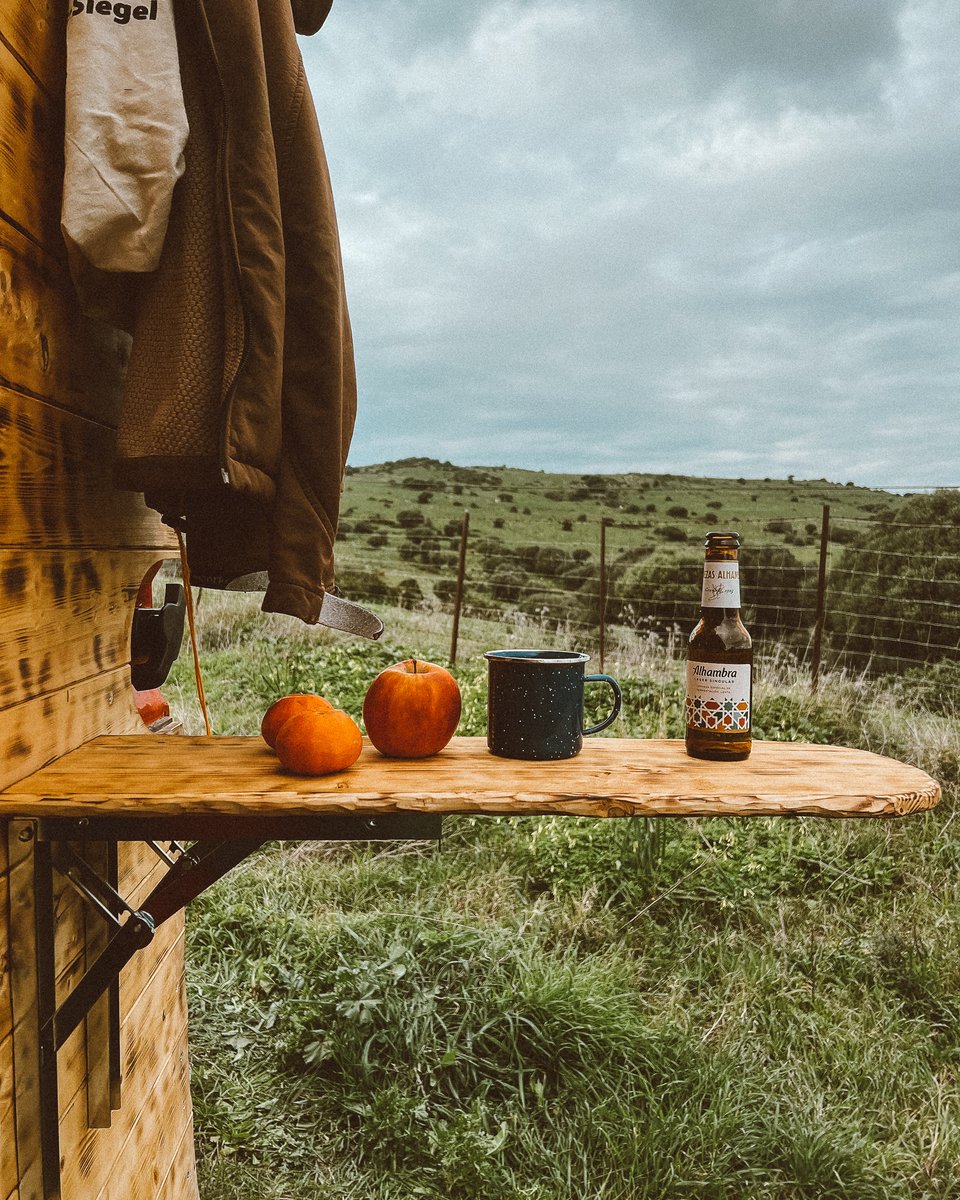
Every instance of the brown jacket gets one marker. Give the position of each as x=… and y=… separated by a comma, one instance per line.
x=241, y=394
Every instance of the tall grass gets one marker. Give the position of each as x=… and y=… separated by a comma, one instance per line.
x=545, y=1008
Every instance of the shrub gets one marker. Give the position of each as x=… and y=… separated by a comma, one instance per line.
x=359, y=583
x=445, y=590
x=507, y=583
x=879, y=609
x=661, y=589
x=670, y=533
x=409, y=593
x=678, y=511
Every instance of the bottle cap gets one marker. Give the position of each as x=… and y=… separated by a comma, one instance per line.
x=722, y=541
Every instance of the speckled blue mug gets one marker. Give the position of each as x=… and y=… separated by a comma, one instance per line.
x=535, y=703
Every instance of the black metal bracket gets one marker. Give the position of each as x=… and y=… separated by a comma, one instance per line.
x=155, y=639
x=64, y=845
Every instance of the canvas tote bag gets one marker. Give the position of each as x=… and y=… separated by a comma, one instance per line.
x=125, y=130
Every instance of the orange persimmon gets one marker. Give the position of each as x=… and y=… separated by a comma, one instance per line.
x=319, y=741
x=283, y=709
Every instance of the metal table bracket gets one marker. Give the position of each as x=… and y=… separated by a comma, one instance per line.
x=84, y=852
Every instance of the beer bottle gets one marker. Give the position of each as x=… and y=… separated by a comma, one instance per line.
x=719, y=660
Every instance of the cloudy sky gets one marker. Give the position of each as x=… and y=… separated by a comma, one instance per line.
x=717, y=237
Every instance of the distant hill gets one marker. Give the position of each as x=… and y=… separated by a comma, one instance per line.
x=532, y=532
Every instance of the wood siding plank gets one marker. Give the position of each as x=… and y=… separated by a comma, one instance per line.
x=180, y=1182
x=65, y=616
x=41, y=730
x=34, y=31
x=8, y=1145
x=48, y=349
x=31, y=139
x=155, y=1069
x=21, y=932
x=72, y=552
x=57, y=489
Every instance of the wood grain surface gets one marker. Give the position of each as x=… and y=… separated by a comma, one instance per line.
x=58, y=487
x=612, y=777
x=69, y=613
x=73, y=550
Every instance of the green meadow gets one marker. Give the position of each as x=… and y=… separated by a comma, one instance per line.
x=400, y=524
x=553, y=1008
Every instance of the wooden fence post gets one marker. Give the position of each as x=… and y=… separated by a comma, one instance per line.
x=602, y=606
x=458, y=595
x=821, y=599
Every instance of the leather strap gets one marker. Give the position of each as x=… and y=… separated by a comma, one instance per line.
x=342, y=614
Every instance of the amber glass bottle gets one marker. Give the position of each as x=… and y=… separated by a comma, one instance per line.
x=720, y=660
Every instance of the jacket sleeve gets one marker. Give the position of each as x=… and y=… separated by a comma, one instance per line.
x=125, y=130
x=309, y=15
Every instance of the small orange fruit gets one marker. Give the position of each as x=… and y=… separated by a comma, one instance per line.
x=318, y=742
x=283, y=709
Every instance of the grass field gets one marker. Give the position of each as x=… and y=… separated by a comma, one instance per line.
x=401, y=520
x=639, y=503
x=543, y=1009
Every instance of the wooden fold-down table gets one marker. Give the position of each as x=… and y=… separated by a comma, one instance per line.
x=204, y=804
x=181, y=781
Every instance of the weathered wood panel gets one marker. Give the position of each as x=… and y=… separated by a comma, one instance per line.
x=611, y=777
x=137, y=976
x=181, y=1177
x=56, y=489
x=48, y=349
x=154, y=1021
x=31, y=130
x=20, y=929
x=95, y=1030
x=154, y=1064
x=69, y=615
x=39, y=730
x=8, y=1149
x=8, y=1145
x=72, y=553
x=33, y=31
x=155, y=1140
x=140, y=872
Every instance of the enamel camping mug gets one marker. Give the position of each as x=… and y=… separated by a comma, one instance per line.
x=535, y=703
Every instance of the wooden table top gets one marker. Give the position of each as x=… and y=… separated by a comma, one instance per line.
x=612, y=777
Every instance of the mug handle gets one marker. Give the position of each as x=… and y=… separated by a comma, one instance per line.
x=617, y=701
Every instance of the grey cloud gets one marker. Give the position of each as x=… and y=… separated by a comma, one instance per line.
x=812, y=47
x=557, y=234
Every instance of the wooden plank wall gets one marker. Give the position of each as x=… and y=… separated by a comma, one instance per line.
x=72, y=553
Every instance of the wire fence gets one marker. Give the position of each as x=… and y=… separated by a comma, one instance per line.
x=874, y=596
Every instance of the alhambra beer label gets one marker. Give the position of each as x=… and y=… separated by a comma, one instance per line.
x=718, y=697
x=721, y=585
